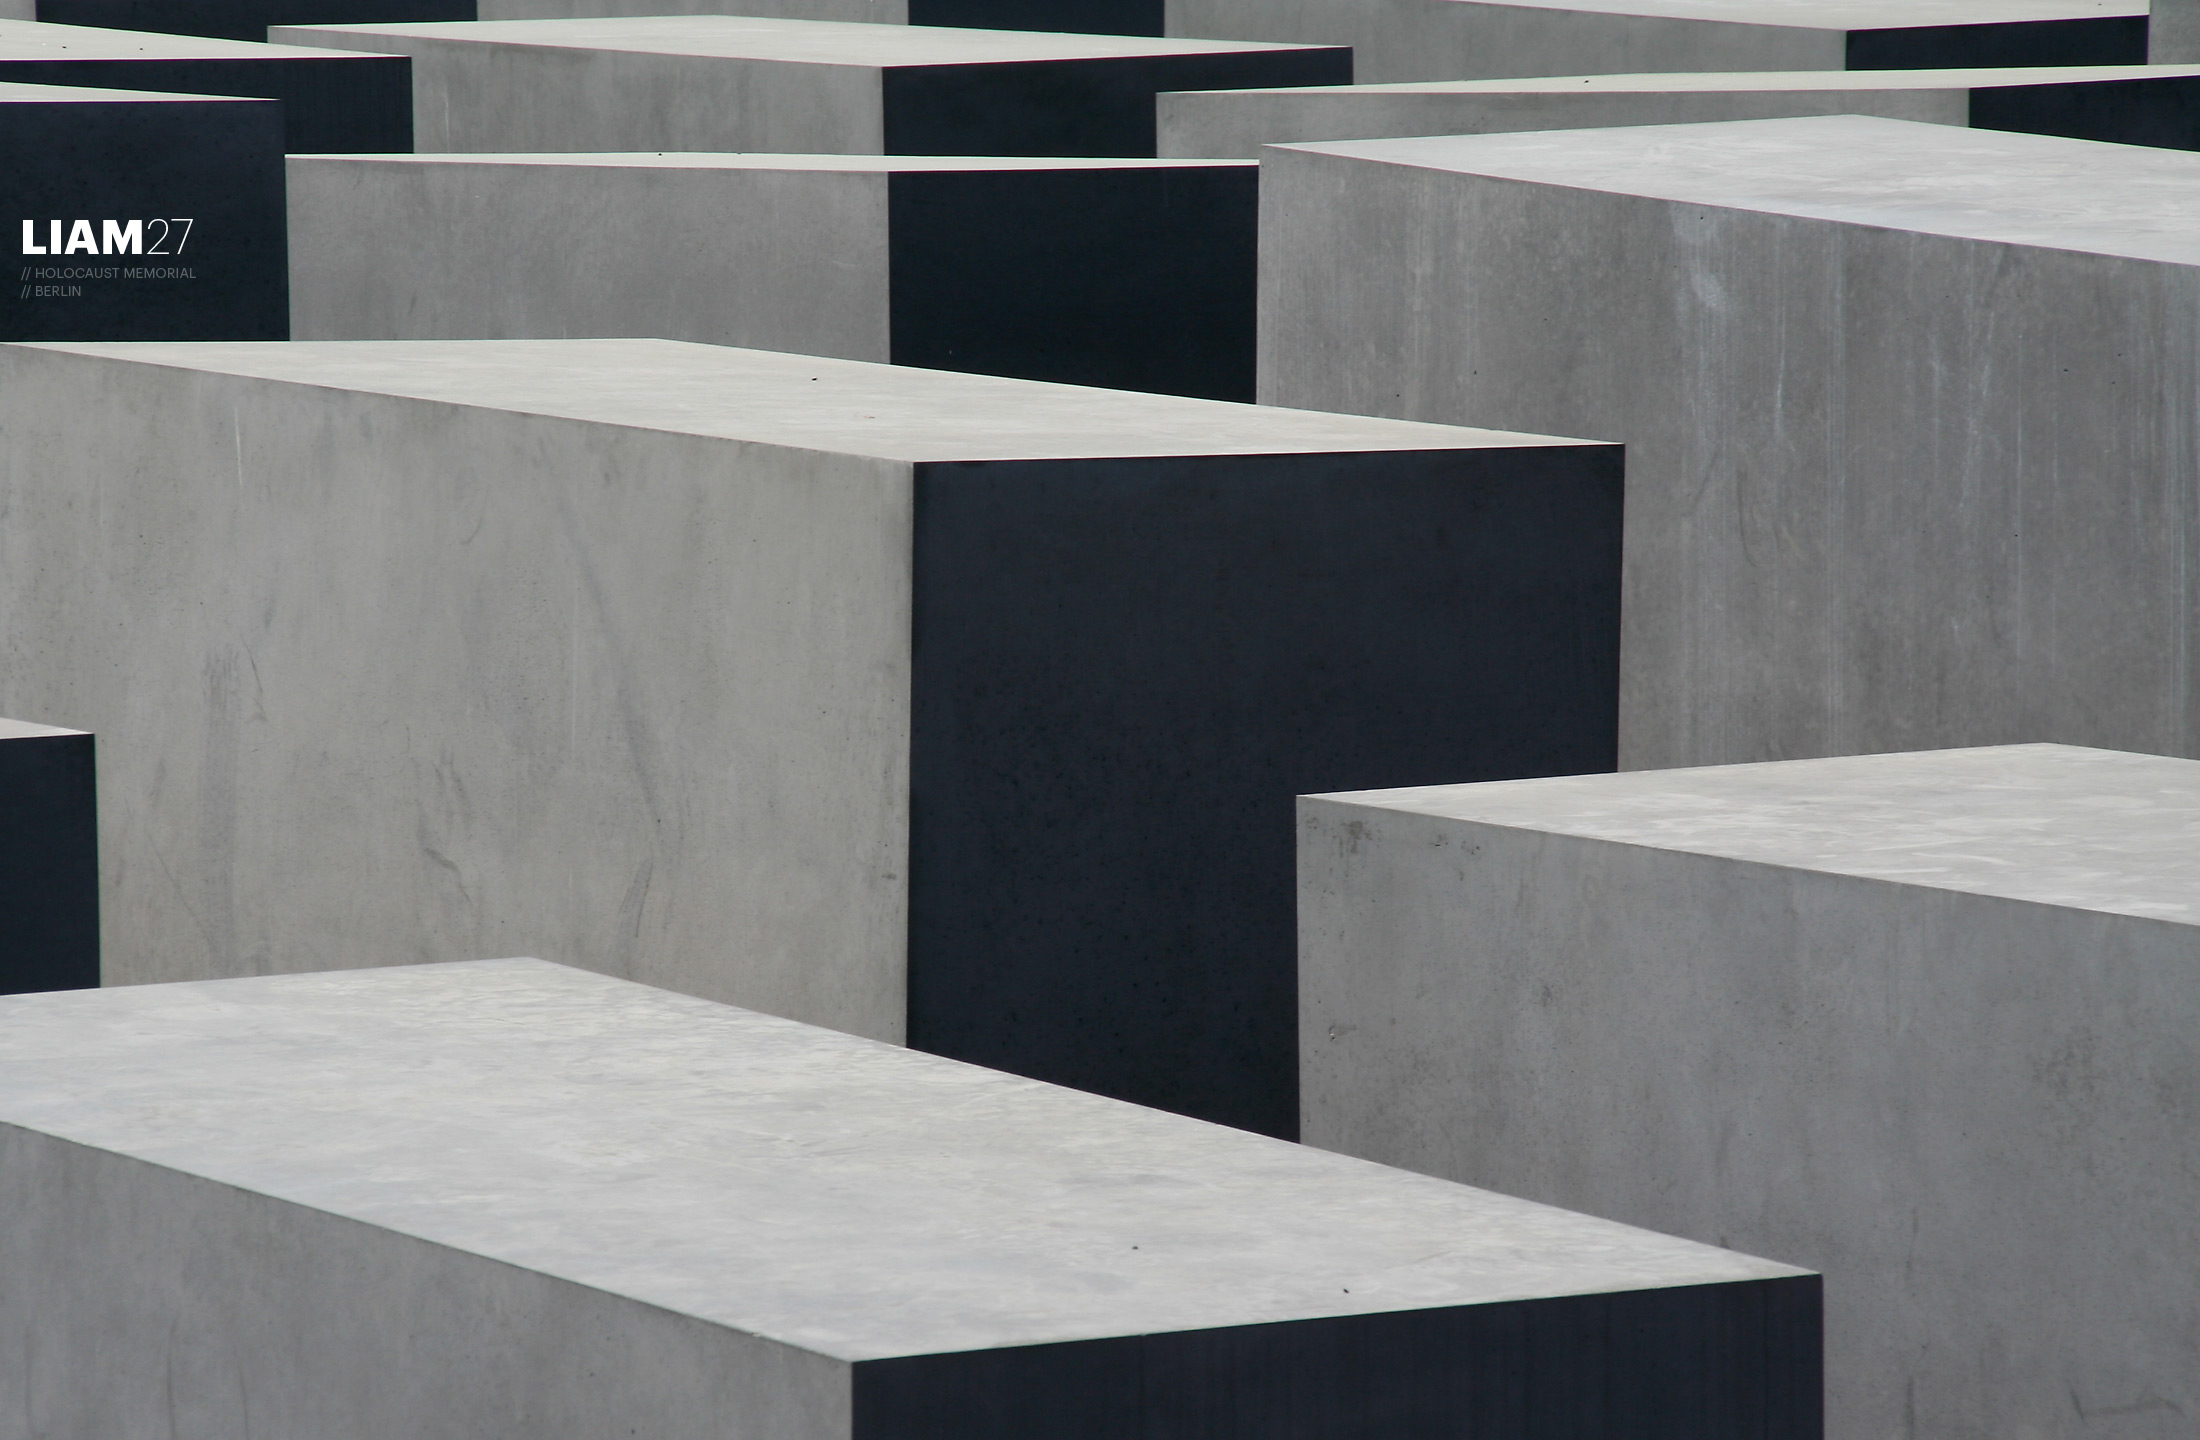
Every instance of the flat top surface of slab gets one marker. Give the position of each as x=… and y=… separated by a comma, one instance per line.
x=2040, y=190
x=1846, y=14
x=1723, y=81
x=892, y=412
x=32, y=40
x=2055, y=824
x=14, y=94
x=27, y=730
x=816, y=42
x=749, y=160
x=846, y=1196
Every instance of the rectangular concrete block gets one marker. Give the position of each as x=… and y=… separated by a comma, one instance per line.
x=718, y=82
x=49, y=859
x=241, y=19
x=923, y=705
x=1132, y=274
x=1098, y=17
x=1907, y=407
x=2122, y=104
x=560, y=1205
x=332, y=99
x=1482, y=39
x=137, y=216
x=1924, y=1022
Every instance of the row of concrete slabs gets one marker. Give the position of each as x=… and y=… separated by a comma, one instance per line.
x=966, y=712
x=1397, y=39
x=1915, y=1020
x=791, y=86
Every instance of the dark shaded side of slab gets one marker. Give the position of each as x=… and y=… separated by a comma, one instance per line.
x=329, y=104
x=1073, y=107
x=1091, y=17
x=1125, y=670
x=49, y=864
x=247, y=19
x=1133, y=279
x=1709, y=1362
x=2164, y=111
x=218, y=164
x=2102, y=40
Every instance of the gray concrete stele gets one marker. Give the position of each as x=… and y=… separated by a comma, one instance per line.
x=1130, y=274
x=923, y=705
x=235, y=19
x=513, y=1201
x=332, y=99
x=1924, y=1022
x=2122, y=104
x=131, y=215
x=49, y=859
x=1480, y=39
x=1098, y=17
x=719, y=82
x=2173, y=32
x=1908, y=407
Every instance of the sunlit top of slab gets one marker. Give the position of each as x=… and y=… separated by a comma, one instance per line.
x=845, y=1196
x=14, y=94
x=2038, y=190
x=1722, y=81
x=29, y=730
x=753, y=160
x=818, y=42
x=1845, y=14
x=852, y=407
x=2054, y=824
x=32, y=40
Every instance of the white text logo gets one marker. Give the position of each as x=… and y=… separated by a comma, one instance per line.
x=114, y=237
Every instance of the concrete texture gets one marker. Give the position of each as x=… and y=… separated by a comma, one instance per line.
x=2173, y=32
x=559, y=1205
x=913, y=703
x=49, y=859
x=1136, y=275
x=173, y=204
x=1911, y=460
x=1923, y=1022
x=717, y=82
x=2124, y=104
x=240, y=19
x=332, y=99
x=1469, y=39
x=1101, y=17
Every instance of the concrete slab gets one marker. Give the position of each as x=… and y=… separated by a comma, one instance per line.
x=924, y=705
x=2173, y=32
x=1471, y=39
x=1910, y=462
x=138, y=216
x=49, y=859
x=237, y=19
x=2123, y=104
x=558, y=1203
x=1921, y=1021
x=718, y=82
x=332, y=99
x=1133, y=274
x=1097, y=17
